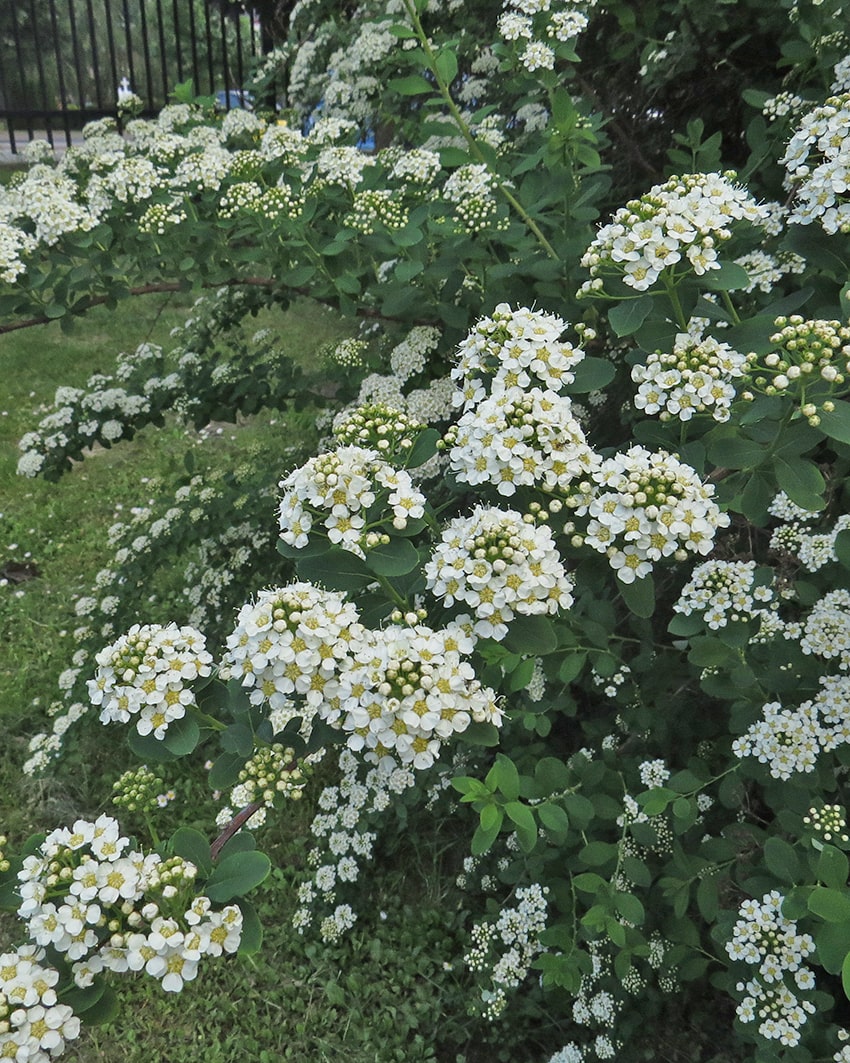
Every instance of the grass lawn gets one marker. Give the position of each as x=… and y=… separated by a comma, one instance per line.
x=380, y=995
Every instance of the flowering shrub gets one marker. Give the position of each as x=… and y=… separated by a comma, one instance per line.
x=572, y=562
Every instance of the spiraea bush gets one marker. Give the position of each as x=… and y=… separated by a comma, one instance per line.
x=561, y=599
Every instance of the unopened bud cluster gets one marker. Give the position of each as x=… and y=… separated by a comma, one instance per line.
x=271, y=772
x=828, y=821
x=138, y=790
x=379, y=427
x=813, y=354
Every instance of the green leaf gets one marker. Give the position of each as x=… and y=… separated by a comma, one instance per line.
x=225, y=770
x=149, y=749
x=518, y=678
x=182, y=735
x=833, y=944
x=597, y=854
x=731, y=450
x=252, y=930
x=639, y=596
x=237, y=874
x=836, y=423
x=446, y=65
x=630, y=908
x=580, y=810
x=833, y=867
x=629, y=314
x=707, y=898
x=830, y=904
x=504, y=776
x=553, y=817
x=533, y=635
x=241, y=842
x=238, y=738
x=104, y=1009
x=656, y=800
x=395, y=558
x=484, y=836
x=552, y=775
x=480, y=734
x=424, y=447
x=729, y=278
x=842, y=547
x=801, y=480
x=592, y=374
x=192, y=846
x=571, y=666
x=335, y=569
x=413, y=85
x=526, y=827
x=782, y=859
x=845, y=976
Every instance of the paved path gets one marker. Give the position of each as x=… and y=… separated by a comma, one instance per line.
x=8, y=157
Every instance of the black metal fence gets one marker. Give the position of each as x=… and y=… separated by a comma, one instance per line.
x=62, y=61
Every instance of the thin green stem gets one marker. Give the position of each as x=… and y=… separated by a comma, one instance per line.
x=730, y=306
x=466, y=133
x=675, y=301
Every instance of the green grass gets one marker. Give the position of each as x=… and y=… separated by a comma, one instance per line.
x=381, y=995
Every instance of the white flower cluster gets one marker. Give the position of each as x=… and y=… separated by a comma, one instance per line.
x=407, y=690
x=499, y=565
x=519, y=438
x=816, y=162
x=765, y=271
x=292, y=641
x=410, y=357
x=764, y=938
x=682, y=222
x=398, y=693
x=343, y=839
x=790, y=740
x=147, y=674
x=376, y=207
x=650, y=506
x=519, y=348
x=724, y=592
x=813, y=549
x=81, y=418
x=695, y=377
x=105, y=907
x=826, y=630
x=471, y=191
x=337, y=490
x=14, y=243
x=503, y=950
x=34, y=1026
x=532, y=23
x=419, y=166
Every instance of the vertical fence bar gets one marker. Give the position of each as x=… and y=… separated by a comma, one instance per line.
x=75, y=48
x=113, y=55
x=146, y=53
x=16, y=34
x=162, y=50
x=42, y=79
x=193, y=39
x=224, y=64
x=57, y=50
x=98, y=92
x=208, y=34
x=240, y=72
x=176, y=13
x=128, y=43
x=10, y=130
